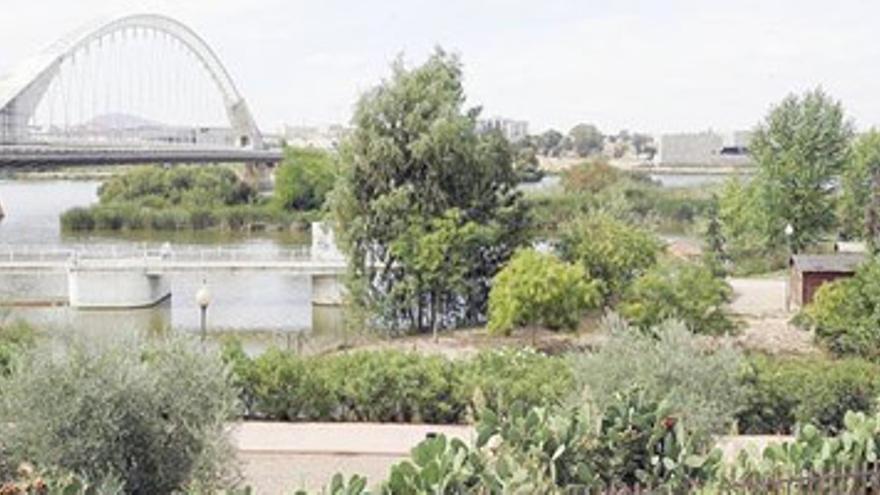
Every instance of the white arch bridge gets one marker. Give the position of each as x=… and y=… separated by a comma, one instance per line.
x=136, y=89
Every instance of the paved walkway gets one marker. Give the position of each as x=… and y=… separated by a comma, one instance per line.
x=279, y=458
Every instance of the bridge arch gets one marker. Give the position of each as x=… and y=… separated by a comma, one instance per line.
x=22, y=91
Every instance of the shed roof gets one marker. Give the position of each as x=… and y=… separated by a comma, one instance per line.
x=829, y=263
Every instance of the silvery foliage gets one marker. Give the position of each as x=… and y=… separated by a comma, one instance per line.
x=698, y=376
x=152, y=416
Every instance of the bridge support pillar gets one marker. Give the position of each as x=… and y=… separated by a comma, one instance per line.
x=327, y=290
x=107, y=288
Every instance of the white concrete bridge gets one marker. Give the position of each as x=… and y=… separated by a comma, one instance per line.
x=115, y=277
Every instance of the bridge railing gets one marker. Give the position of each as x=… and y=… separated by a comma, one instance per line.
x=48, y=254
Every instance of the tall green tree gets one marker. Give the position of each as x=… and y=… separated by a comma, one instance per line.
x=800, y=148
x=415, y=160
x=586, y=139
x=549, y=142
x=857, y=185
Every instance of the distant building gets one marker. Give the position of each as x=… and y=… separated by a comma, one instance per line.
x=513, y=130
x=323, y=137
x=707, y=148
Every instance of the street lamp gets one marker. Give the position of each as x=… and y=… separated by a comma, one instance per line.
x=203, y=299
x=789, y=232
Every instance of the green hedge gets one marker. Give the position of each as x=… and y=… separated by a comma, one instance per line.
x=115, y=217
x=784, y=392
x=394, y=386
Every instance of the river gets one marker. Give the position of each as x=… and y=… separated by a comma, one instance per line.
x=551, y=182
x=260, y=308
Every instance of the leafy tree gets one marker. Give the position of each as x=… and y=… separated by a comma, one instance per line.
x=845, y=314
x=304, y=178
x=743, y=220
x=688, y=292
x=610, y=250
x=413, y=156
x=435, y=254
x=856, y=187
x=586, y=139
x=549, y=142
x=591, y=177
x=540, y=289
x=800, y=148
x=157, y=187
x=715, y=254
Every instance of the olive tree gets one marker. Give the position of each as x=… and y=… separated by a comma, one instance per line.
x=152, y=417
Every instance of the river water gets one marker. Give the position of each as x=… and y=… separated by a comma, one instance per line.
x=259, y=307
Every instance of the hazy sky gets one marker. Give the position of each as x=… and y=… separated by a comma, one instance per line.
x=675, y=65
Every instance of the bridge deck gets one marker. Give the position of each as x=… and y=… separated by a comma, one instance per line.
x=162, y=260
x=45, y=155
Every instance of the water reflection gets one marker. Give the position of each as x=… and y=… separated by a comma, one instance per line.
x=262, y=308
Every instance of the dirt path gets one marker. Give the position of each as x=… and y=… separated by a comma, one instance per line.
x=760, y=305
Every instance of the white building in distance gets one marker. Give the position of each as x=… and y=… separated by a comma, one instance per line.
x=513, y=130
x=704, y=149
x=322, y=137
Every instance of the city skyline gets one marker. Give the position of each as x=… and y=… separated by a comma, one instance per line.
x=679, y=66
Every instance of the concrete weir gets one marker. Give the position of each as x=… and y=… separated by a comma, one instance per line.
x=96, y=288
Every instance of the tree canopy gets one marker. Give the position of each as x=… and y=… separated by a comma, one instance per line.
x=800, y=148
x=586, y=139
x=415, y=168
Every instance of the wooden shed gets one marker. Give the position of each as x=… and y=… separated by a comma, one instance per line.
x=809, y=271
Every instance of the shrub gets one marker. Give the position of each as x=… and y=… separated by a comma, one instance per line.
x=539, y=289
x=394, y=386
x=701, y=384
x=502, y=378
x=153, y=418
x=591, y=177
x=785, y=392
x=845, y=314
x=78, y=219
x=15, y=339
x=610, y=250
x=687, y=292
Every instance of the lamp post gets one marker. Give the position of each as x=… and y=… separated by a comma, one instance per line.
x=789, y=232
x=203, y=299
